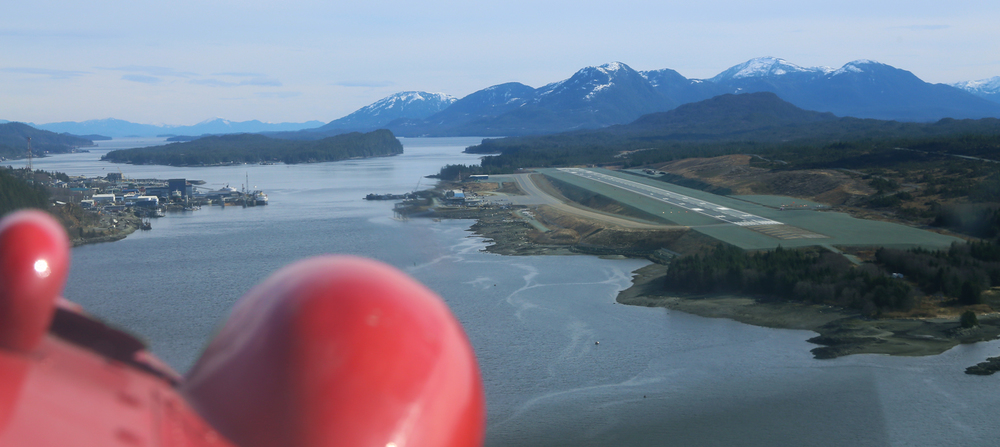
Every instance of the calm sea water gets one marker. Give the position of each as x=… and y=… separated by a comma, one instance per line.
x=657, y=378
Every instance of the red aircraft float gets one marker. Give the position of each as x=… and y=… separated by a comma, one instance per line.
x=329, y=351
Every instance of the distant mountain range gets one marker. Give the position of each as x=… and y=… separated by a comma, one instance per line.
x=614, y=93
x=116, y=128
x=725, y=124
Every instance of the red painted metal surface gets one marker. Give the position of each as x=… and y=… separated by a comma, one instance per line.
x=329, y=351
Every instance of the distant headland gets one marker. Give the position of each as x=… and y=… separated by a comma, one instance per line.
x=252, y=148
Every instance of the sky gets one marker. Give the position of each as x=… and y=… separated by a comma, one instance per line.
x=182, y=62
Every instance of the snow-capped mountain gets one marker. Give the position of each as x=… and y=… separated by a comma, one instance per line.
x=991, y=85
x=596, y=84
x=858, y=66
x=593, y=97
x=408, y=105
x=765, y=67
x=983, y=88
x=614, y=93
x=602, y=95
x=589, y=82
x=861, y=88
x=486, y=103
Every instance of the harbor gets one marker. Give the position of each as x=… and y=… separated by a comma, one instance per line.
x=110, y=207
x=154, y=197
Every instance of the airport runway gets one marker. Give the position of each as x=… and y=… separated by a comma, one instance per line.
x=720, y=212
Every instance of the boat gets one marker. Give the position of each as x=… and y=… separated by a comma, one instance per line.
x=260, y=198
x=253, y=198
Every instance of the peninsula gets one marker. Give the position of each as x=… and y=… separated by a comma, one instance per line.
x=882, y=237
x=540, y=213
x=253, y=148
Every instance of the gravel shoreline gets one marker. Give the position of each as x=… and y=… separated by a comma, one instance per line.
x=840, y=332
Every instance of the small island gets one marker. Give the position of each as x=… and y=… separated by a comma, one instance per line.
x=253, y=148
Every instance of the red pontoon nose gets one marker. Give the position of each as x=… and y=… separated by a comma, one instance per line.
x=328, y=351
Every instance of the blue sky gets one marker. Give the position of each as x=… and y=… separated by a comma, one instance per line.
x=182, y=62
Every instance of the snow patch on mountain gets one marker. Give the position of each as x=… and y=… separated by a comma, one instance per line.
x=857, y=66
x=590, y=81
x=404, y=99
x=990, y=85
x=612, y=68
x=764, y=67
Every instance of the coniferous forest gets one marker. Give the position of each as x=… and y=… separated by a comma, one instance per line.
x=253, y=148
x=16, y=193
x=805, y=275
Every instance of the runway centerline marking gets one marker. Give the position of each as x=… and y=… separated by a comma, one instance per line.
x=699, y=206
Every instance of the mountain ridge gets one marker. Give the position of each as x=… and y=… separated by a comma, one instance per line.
x=739, y=122
x=610, y=94
x=614, y=93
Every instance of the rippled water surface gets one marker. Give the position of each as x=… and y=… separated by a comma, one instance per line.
x=656, y=378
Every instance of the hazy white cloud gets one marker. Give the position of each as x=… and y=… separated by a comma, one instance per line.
x=145, y=79
x=278, y=95
x=262, y=82
x=241, y=74
x=151, y=71
x=368, y=84
x=51, y=73
x=923, y=27
x=339, y=57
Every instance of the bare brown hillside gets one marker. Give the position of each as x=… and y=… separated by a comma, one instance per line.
x=736, y=173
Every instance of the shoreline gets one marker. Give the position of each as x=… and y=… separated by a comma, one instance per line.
x=840, y=332
x=122, y=229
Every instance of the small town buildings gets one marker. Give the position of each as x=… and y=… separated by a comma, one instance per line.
x=104, y=199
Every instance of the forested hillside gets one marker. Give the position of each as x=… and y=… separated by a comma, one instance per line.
x=252, y=148
x=16, y=193
x=755, y=123
x=14, y=141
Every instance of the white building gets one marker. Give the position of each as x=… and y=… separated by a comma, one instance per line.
x=103, y=199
